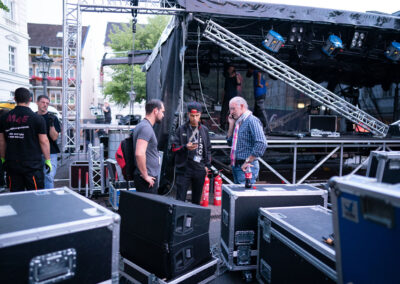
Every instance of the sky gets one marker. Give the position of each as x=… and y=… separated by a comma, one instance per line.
x=51, y=12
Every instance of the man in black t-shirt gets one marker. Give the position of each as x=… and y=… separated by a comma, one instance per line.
x=107, y=113
x=23, y=140
x=53, y=129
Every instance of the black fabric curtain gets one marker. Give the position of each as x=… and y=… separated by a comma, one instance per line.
x=163, y=81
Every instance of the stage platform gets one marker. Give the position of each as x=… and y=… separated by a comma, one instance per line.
x=324, y=147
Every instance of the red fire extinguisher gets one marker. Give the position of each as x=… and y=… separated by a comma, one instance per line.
x=206, y=192
x=217, y=190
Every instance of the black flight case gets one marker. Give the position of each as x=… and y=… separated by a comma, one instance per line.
x=240, y=211
x=57, y=235
x=292, y=248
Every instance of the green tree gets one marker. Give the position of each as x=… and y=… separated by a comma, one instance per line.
x=3, y=7
x=146, y=37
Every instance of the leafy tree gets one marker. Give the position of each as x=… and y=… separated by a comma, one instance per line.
x=3, y=7
x=146, y=37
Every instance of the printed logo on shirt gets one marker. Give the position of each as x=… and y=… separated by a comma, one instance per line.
x=18, y=120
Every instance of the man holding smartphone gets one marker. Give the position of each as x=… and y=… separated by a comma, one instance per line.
x=247, y=140
x=192, y=146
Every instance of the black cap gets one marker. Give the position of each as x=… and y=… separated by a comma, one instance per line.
x=194, y=107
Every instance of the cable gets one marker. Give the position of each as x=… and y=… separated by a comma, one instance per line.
x=198, y=75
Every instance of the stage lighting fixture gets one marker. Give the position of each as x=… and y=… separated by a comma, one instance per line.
x=296, y=34
x=358, y=39
x=273, y=41
x=331, y=46
x=393, y=52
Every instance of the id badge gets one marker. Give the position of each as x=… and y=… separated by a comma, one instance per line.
x=197, y=159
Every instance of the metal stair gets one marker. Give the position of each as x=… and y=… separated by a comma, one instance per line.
x=274, y=67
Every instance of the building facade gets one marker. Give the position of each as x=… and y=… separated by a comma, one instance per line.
x=13, y=46
x=51, y=36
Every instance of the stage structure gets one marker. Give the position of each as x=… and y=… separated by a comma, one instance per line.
x=276, y=68
x=328, y=146
x=72, y=36
x=239, y=28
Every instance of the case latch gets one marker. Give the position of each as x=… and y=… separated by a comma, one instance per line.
x=265, y=226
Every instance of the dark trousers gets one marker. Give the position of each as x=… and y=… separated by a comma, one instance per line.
x=24, y=175
x=190, y=177
x=259, y=110
x=143, y=186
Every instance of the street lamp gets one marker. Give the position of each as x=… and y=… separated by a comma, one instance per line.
x=44, y=63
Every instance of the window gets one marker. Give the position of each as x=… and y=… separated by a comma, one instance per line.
x=72, y=73
x=52, y=98
x=72, y=51
x=58, y=72
x=52, y=72
x=55, y=97
x=33, y=50
x=11, y=7
x=11, y=58
x=56, y=51
x=30, y=71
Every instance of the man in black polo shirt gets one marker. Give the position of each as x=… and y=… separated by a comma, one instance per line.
x=23, y=140
x=53, y=129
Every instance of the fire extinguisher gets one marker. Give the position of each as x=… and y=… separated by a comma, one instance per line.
x=217, y=190
x=206, y=192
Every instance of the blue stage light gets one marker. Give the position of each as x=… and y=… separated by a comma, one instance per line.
x=331, y=46
x=273, y=41
x=393, y=52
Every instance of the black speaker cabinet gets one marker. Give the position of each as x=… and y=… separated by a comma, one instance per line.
x=163, y=235
x=161, y=219
x=163, y=259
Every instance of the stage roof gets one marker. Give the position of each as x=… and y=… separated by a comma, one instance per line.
x=363, y=66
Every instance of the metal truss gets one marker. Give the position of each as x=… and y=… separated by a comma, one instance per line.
x=72, y=60
x=96, y=168
x=154, y=7
x=273, y=66
x=71, y=107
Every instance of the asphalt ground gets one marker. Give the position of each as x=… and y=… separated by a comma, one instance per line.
x=62, y=179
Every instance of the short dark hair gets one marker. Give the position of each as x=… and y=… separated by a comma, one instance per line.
x=152, y=104
x=22, y=95
x=42, y=97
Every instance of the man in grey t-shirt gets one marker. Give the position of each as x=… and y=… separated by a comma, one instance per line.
x=146, y=149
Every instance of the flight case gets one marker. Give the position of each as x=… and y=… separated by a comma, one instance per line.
x=202, y=274
x=57, y=235
x=367, y=229
x=384, y=166
x=291, y=247
x=239, y=216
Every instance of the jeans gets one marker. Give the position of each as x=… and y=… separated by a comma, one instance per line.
x=49, y=177
x=238, y=173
